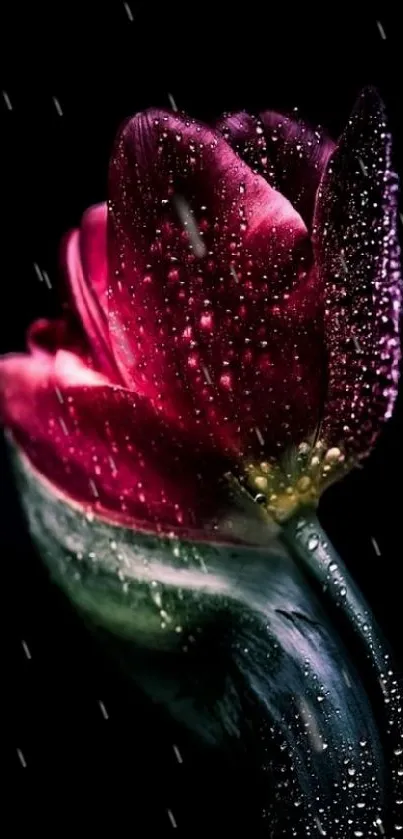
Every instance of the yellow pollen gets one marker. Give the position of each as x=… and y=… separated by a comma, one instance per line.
x=304, y=484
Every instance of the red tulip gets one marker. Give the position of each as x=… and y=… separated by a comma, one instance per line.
x=235, y=310
x=237, y=304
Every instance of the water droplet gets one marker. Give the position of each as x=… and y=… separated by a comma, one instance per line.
x=313, y=542
x=206, y=321
x=156, y=596
x=333, y=455
x=226, y=381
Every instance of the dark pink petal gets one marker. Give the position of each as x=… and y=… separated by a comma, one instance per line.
x=206, y=262
x=45, y=337
x=83, y=255
x=357, y=255
x=104, y=447
x=288, y=153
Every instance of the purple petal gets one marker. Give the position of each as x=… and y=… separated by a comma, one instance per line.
x=357, y=255
x=289, y=154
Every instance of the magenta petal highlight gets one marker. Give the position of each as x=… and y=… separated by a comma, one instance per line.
x=93, y=252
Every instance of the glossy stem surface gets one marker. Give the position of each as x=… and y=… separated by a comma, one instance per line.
x=311, y=546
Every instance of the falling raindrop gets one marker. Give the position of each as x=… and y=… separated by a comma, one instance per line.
x=7, y=101
x=103, y=710
x=26, y=649
x=128, y=12
x=177, y=754
x=172, y=818
x=21, y=758
x=57, y=106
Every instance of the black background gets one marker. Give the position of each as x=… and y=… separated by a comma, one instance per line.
x=102, y=67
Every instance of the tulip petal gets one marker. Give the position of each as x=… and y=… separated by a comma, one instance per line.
x=357, y=254
x=204, y=258
x=93, y=251
x=45, y=337
x=83, y=256
x=103, y=446
x=288, y=153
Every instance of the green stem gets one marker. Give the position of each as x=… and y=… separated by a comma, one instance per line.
x=309, y=543
x=306, y=538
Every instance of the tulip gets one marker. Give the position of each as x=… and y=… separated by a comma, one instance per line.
x=229, y=347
